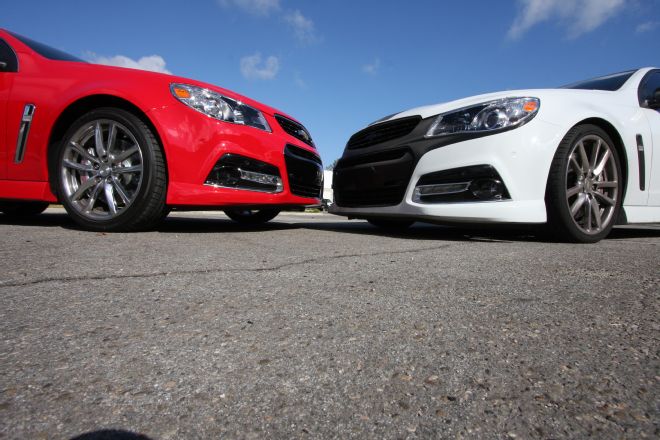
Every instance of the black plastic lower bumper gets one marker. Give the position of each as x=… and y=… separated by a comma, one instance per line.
x=373, y=180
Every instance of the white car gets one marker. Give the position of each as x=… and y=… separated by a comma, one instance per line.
x=580, y=158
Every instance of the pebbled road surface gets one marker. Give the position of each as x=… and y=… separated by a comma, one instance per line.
x=317, y=327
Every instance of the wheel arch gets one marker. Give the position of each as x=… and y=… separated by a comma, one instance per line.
x=614, y=134
x=80, y=107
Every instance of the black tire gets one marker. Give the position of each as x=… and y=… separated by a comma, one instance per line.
x=252, y=216
x=588, y=215
x=145, y=207
x=22, y=209
x=391, y=224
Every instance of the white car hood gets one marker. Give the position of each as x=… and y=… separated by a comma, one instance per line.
x=435, y=109
x=628, y=93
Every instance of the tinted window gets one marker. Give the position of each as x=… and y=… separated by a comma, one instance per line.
x=609, y=82
x=8, y=56
x=649, y=85
x=47, y=51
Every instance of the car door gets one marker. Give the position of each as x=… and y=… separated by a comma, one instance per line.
x=650, y=148
x=8, y=69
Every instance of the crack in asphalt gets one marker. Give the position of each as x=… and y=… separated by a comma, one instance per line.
x=208, y=271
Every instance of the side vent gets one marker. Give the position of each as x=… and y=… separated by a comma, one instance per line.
x=641, y=161
x=23, y=132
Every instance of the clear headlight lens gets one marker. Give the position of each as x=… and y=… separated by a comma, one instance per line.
x=489, y=116
x=218, y=106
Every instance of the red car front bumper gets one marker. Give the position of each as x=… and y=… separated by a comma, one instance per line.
x=194, y=143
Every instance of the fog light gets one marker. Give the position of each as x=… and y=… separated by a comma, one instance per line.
x=263, y=179
x=487, y=189
x=438, y=190
x=239, y=172
x=475, y=183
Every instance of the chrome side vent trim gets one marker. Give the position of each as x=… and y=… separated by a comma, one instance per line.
x=24, y=131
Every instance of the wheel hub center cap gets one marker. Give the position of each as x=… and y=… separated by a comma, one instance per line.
x=105, y=171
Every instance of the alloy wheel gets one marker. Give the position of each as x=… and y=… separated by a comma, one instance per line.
x=102, y=169
x=592, y=187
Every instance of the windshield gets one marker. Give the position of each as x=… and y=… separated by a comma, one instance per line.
x=609, y=83
x=47, y=51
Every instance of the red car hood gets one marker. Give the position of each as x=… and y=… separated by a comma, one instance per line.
x=162, y=79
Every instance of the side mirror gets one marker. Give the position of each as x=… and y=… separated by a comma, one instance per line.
x=654, y=102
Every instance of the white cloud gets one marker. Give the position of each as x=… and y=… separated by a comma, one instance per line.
x=303, y=27
x=647, y=27
x=372, y=68
x=153, y=63
x=253, y=67
x=254, y=7
x=299, y=81
x=579, y=16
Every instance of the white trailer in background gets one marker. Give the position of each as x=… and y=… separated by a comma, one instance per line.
x=327, y=186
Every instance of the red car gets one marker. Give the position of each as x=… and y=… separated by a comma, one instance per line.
x=120, y=147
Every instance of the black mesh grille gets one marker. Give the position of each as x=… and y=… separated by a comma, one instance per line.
x=381, y=156
x=295, y=129
x=304, y=153
x=374, y=180
x=305, y=172
x=383, y=132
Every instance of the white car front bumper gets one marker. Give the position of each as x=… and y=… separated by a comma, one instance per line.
x=522, y=157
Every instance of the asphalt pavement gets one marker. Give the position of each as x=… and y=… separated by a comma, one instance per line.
x=318, y=327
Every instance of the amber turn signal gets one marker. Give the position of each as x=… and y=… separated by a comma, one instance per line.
x=530, y=106
x=181, y=93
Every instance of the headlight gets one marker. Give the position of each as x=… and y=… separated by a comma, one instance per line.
x=218, y=106
x=489, y=116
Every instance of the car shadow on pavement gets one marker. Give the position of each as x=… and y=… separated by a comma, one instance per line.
x=183, y=224
x=626, y=232
x=172, y=224
x=420, y=231
x=48, y=219
x=195, y=225
x=111, y=434
x=482, y=233
x=425, y=231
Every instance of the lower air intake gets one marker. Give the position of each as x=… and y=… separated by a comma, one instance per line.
x=240, y=172
x=379, y=179
x=305, y=172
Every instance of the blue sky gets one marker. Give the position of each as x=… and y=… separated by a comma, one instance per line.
x=338, y=65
